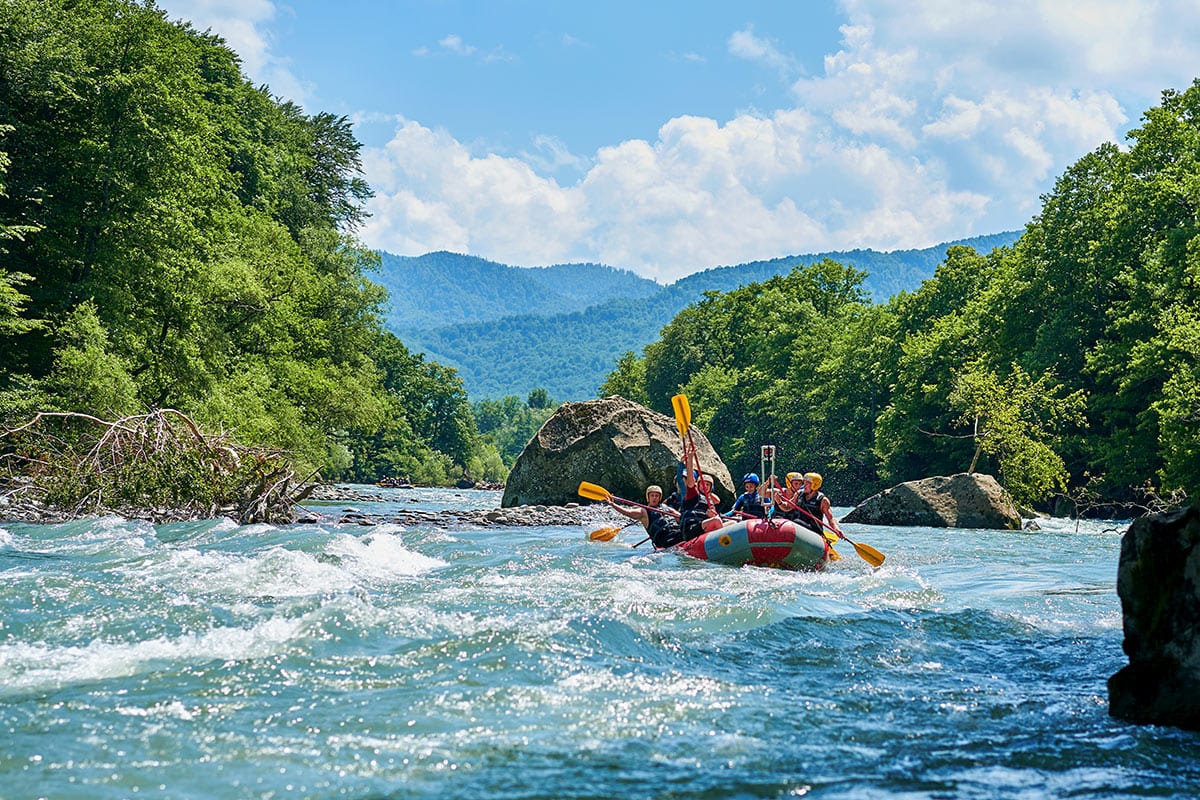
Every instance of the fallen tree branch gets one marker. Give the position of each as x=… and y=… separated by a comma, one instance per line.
x=159, y=466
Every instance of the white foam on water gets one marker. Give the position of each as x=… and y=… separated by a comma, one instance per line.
x=381, y=555
x=27, y=667
x=275, y=572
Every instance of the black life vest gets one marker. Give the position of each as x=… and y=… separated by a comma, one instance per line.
x=692, y=513
x=813, y=506
x=663, y=530
x=791, y=513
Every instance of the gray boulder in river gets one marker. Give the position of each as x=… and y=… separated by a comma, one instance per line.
x=614, y=442
x=1158, y=581
x=966, y=500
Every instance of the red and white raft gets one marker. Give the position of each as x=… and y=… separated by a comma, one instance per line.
x=779, y=543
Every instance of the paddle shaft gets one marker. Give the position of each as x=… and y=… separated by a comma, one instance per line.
x=668, y=511
x=866, y=552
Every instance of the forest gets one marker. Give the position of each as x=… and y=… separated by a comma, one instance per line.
x=1067, y=364
x=174, y=237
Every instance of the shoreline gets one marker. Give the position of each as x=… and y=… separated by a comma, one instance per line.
x=23, y=510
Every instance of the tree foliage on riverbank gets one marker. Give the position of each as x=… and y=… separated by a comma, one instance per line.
x=173, y=236
x=1068, y=363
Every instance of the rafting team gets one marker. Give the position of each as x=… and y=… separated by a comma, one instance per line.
x=692, y=509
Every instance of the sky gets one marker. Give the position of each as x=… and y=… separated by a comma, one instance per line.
x=670, y=137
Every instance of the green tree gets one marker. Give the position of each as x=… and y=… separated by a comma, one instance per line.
x=628, y=380
x=1014, y=420
x=196, y=237
x=538, y=398
x=936, y=333
x=87, y=376
x=12, y=300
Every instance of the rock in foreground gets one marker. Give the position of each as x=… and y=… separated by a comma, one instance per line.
x=614, y=442
x=1158, y=581
x=966, y=500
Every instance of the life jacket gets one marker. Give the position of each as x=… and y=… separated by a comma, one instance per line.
x=791, y=513
x=751, y=503
x=663, y=530
x=692, y=513
x=813, y=506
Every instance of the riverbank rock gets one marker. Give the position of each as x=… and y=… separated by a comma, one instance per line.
x=966, y=500
x=1158, y=581
x=615, y=443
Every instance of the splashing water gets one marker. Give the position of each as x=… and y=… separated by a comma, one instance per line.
x=209, y=660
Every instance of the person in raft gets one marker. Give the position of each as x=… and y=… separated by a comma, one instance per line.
x=698, y=511
x=750, y=502
x=812, y=507
x=658, y=520
x=787, y=498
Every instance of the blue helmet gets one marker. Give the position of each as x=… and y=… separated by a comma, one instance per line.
x=751, y=477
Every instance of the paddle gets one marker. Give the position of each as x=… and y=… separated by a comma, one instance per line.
x=683, y=414
x=594, y=491
x=608, y=534
x=683, y=421
x=865, y=551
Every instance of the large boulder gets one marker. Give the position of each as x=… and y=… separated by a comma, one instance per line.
x=616, y=443
x=966, y=500
x=1158, y=581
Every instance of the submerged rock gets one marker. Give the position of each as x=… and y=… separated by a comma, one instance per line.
x=966, y=500
x=615, y=443
x=1158, y=581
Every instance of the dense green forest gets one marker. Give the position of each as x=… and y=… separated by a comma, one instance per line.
x=564, y=327
x=173, y=236
x=1068, y=363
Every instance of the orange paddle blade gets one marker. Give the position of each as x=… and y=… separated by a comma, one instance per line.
x=683, y=413
x=593, y=491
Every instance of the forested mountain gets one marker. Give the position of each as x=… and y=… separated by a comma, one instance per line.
x=887, y=273
x=568, y=348
x=445, y=289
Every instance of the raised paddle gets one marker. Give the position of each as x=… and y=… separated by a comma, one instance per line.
x=683, y=414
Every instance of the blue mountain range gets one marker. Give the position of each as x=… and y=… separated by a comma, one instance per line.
x=510, y=329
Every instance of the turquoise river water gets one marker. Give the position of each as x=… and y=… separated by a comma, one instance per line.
x=208, y=660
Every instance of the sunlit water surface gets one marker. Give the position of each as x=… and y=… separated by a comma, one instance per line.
x=208, y=660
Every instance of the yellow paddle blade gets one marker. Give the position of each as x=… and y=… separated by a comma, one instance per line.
x=868, y=553
x=604, y=534
x=592, y=491
x=834, y=555
x=683, y=413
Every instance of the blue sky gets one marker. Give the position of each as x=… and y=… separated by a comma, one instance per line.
x=669, y=137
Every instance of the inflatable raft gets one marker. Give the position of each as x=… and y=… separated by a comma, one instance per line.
x=777, y=543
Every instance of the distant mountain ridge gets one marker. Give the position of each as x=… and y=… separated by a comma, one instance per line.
x=508, y=329
x=440, y=289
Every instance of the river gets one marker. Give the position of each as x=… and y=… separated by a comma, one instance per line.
x=211, y=660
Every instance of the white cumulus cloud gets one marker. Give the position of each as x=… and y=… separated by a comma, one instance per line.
x=930, y=120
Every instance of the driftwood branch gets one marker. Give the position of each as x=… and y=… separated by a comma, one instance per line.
x=159, y=466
